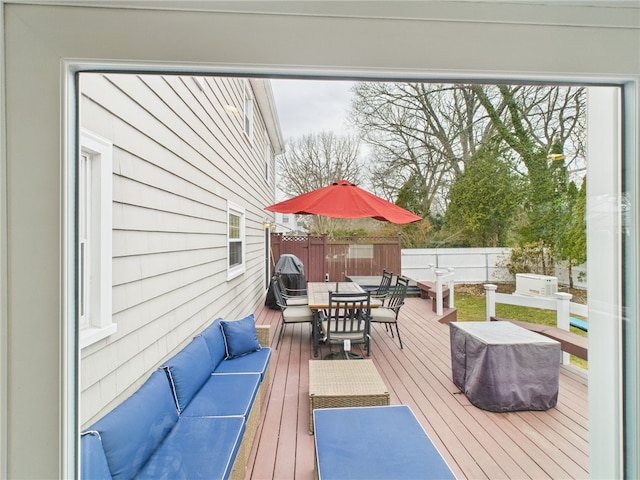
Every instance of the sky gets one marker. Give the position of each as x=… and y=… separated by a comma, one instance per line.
x=311, y=106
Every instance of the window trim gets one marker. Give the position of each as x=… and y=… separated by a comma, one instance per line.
x=247, y=111
x=101, y=325
x=40, y=84
x=236, y=270
x=267, y=155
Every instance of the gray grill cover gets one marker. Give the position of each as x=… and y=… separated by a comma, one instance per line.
x=502, y=367
x=292, y=270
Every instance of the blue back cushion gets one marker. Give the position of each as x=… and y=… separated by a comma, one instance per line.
x=93, y=462
x=240, y=336
x=188, y=370
x=215, y=341
x=134, y=429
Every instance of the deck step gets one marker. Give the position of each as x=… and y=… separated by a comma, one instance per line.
x=449, y=315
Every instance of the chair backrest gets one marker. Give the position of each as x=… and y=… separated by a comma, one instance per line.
x=286, y=291
x=280, y=281
x=385, y=283
x=348, y=314
x=396, y=296
x=277, y=292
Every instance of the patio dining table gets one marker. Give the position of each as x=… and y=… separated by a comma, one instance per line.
x=318, y=295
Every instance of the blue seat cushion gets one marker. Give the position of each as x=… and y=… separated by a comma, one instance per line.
x=240, y=336
x=93, y=462
x=225, y=395
x=215, y=341
x=391, y=443
x=257, y=362
x=188, y=370
x=197, y=447
x=135, y=428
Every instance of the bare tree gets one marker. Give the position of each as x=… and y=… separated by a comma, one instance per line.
x=537, y=118
x=317, y=160
x=421, y=134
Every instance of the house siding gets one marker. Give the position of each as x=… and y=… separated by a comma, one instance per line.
x=178, y=157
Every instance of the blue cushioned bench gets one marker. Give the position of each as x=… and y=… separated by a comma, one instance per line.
x=371, y=443
x=195, y=416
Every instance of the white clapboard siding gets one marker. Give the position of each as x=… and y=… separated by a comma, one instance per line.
x=131, y=217
x=132, y=268
x=154, y=141
x=179, y=156
x=127, y=242
x=159, y=286
x=132, y=192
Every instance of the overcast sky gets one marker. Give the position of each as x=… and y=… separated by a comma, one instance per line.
x=311, y=106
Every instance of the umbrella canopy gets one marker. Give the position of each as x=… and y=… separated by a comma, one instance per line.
x=343, y=199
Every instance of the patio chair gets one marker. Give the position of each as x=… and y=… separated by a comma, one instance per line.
x=290, y=313
x=293, y=296
x=346, y=322
x=388, y=314
x=383, y=289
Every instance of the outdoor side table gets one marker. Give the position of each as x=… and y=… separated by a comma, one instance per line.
x=502, y=367
x=344, y=383
x=371, y=443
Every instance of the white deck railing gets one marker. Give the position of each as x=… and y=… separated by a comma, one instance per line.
x=561, y=303
x=443, y=276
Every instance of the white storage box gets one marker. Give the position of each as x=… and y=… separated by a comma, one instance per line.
x=536, y=285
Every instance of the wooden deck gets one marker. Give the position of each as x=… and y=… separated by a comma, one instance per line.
x=475, y=443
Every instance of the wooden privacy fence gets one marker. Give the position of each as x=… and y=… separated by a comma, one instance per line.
x=339, y=257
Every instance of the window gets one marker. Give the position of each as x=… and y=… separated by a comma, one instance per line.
x=247, y=111
x=235, y=240
x=94, y=239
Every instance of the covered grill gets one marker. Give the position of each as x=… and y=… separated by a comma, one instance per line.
x=291, y=269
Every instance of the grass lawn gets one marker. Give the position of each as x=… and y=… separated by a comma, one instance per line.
x=473, y=307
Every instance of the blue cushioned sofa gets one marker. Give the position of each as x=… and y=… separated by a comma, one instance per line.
x=196, y=415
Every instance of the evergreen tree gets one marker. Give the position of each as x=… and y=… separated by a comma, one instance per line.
x=572, y=245
x=483, y=200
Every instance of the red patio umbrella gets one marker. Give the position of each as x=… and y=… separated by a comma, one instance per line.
x=343, y=199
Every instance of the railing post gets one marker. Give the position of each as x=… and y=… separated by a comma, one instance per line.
x=432, y=269
x=563, y=312
x=490, y=294
x=451, y=283
x=439, y=309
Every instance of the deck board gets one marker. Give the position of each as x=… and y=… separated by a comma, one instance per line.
x=475, y=443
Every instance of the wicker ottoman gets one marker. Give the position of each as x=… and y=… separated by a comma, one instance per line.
x=344, y=383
